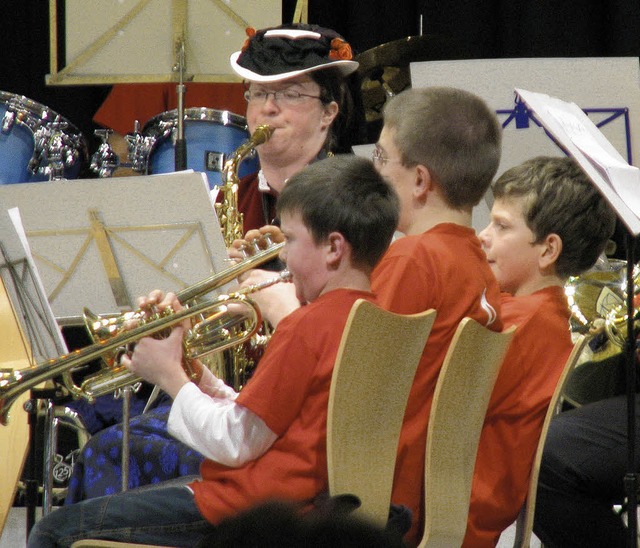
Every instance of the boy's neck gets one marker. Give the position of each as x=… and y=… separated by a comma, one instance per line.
x=349, y=278
x=427, y=218
x=538, y=283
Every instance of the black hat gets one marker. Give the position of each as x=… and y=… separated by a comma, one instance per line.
x=279, y=53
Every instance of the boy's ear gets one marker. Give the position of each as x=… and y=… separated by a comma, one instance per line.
x=552, y=247
x=337, y=245
x=424, y=181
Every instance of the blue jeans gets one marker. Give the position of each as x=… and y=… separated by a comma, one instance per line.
x=166, y=515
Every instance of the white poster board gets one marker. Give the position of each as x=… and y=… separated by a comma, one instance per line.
x=608, y=88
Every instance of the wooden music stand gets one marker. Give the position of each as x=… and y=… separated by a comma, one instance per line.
x=110, y=41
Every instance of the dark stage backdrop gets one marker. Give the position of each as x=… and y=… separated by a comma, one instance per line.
x=487, y=29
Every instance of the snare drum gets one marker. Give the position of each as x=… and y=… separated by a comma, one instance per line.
x=36, y=143
x=211, y=136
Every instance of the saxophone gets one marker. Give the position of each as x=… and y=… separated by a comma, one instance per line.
x=231, y=220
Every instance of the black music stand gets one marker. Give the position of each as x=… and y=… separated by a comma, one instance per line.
x=43, y=338
x=619, y=183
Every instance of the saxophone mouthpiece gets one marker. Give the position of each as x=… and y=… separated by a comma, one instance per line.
x=262, y=134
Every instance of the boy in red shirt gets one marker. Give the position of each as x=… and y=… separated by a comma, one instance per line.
x=439, y=148
x=548, y=222
x=269, y=441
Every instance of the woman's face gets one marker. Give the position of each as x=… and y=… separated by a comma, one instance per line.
x=300, y=125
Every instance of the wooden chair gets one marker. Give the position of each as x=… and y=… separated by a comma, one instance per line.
x=374, y=370
x=375, y=365
x=459, y=406
x=524, y=523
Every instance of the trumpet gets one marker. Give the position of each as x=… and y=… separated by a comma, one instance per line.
x=213, y=334
x=103, y=329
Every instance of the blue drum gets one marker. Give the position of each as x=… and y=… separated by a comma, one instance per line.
x=36, y=143
x=211, y=136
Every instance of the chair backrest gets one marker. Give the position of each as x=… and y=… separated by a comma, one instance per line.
x=376, y=362
x=459, y=406
x=524, y=523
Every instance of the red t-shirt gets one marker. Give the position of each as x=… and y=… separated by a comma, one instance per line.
x=446, y=269
x=519, y=401
x=290, y=392
x=127, y=103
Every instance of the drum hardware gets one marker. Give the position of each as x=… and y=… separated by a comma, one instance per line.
x=37, y=143
x=211, y=137
x=139, y=148
x=104, y=161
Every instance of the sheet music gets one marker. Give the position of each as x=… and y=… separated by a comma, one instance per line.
x=56, y=333
x=618, y=181
x=624, y=178
x=26, y=291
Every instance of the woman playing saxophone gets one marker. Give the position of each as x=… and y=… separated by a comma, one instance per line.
x=307, y=101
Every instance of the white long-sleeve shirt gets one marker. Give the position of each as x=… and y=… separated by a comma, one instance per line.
x=207, y=418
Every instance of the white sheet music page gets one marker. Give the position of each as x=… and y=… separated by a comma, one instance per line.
x=624, y=178
x=618, y=181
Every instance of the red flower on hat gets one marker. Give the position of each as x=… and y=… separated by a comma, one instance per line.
x=250, y=32
x=340, y=50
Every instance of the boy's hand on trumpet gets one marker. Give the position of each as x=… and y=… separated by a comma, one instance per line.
x=159, y=360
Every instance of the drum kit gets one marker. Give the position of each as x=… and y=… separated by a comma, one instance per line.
x=38, y=144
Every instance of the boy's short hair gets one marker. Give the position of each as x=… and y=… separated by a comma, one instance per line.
x=453, y=133
x=558, y=198
x=345, y=194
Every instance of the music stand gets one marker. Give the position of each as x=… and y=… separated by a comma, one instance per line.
x=619, y=183
x=100, y=243
x=110, y=41
x=39, y=335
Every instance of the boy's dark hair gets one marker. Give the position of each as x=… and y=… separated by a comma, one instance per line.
x=558, y=198
x=344, y=194
x=283, y=525
x=453, y=133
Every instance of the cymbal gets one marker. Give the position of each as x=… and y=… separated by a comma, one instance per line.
x=399, y=53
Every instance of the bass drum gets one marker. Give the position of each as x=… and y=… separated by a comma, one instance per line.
x=36, y=143
x=211, y=136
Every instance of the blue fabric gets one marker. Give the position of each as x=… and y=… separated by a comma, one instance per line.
x=165, y=515
x=154, y=456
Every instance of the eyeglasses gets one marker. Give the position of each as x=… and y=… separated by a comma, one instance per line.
x=283, y=97
x=378, y=158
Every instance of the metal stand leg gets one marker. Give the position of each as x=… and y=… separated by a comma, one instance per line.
x=31, y=478
x=51, y=437
x=125, y=393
